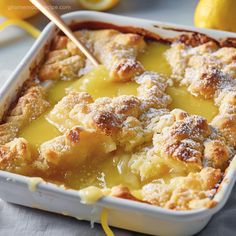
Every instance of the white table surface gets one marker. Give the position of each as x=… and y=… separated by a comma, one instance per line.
x=14, y=43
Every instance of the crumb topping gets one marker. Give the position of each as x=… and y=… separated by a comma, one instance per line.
x=30, y=106
x=210, y=72
x=184, y=193
x=14, y=155
x=117, y=51
x=177, y=159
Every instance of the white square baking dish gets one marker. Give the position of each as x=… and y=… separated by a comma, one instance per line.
x=122, y=213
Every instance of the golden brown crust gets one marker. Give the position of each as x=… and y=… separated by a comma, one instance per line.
x=226, y=55
x=59, y=42
x=177, y=59
x=184, y=193
x=206, y=69
x=61, y=65
x=60, y=115
x=184, y=139
x=121, y=191
x=72, y=149
x=118, y=52
x=119, y=117
x=206, y=82
x=227, y=125
x=216, y=154
x=116, y=117
x=152, y=90
x=227, y=102
x=210, y=74
x=181, y=57
x=228, y=42
x=14, y=155
x=183, y=145
x=30, y=106
x=8, y=131
x=194, y=39
x=63, y=62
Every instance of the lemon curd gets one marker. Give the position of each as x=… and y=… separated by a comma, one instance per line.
x=114, y=170
x=98, y=84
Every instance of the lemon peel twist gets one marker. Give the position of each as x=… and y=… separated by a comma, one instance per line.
x=23, y=25
x=105, y=226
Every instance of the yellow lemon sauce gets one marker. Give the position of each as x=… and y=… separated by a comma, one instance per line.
x=114, y=170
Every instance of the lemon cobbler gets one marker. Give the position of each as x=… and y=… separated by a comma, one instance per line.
x=155, y=123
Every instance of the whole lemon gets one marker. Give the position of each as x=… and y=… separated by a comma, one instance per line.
x=17, y=9
x=216, y=14
x=98, y=5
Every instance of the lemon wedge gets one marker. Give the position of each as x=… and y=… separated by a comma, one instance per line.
x=97, y=5
x=17, y=9
x=216, y=14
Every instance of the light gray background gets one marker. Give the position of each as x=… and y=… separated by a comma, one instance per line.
x=22, y=221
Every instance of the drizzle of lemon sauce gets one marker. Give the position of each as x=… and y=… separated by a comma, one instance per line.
x=34, y=181
x=91, y=194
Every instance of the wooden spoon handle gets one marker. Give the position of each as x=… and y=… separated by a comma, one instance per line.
x=48, y=11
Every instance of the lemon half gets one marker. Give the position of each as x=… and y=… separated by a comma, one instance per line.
x=216, y=14
x=97, y=5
